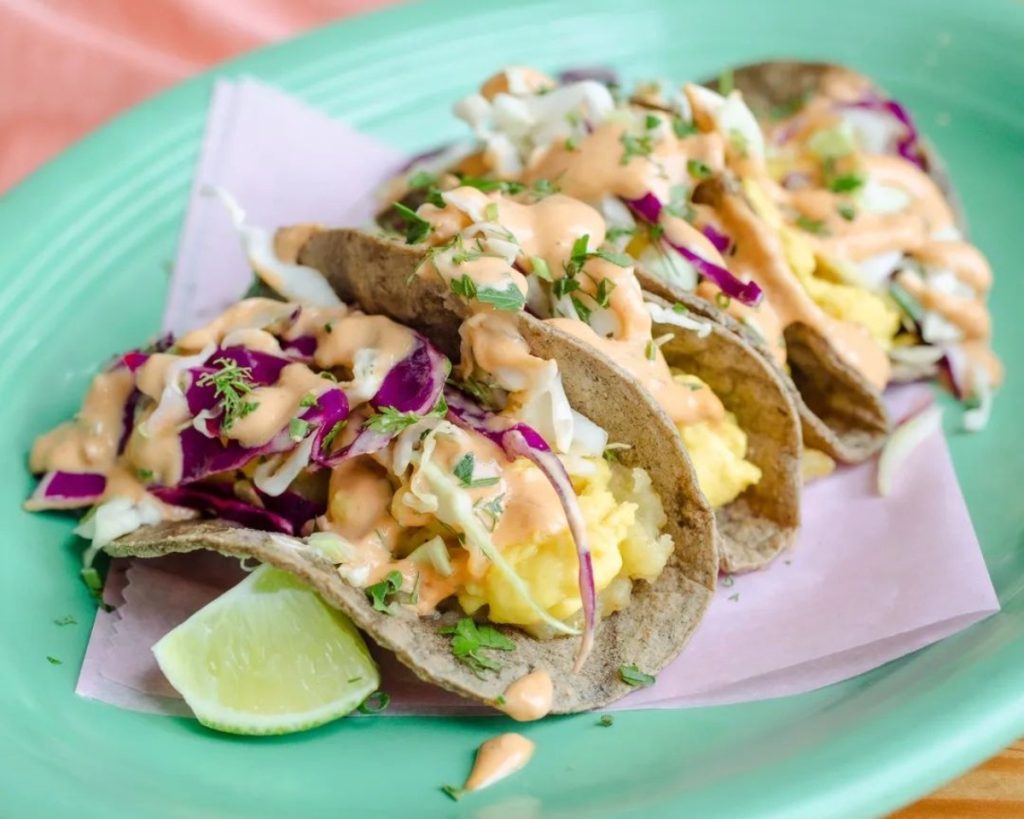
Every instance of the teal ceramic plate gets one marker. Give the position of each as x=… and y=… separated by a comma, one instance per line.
x=85, y=248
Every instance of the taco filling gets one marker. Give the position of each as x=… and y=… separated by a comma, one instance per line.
x=350, y=432
x=549, y=253
x=847, y=179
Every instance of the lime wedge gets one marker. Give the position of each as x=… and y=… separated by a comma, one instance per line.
x=268, y=657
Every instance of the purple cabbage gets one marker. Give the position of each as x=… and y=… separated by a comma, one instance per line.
x=301, y=348
x=414, y=384
x=264, y=369
x=297, y=509
x=67, y=490
x=909, y=145
x=717, y=238
x=213, y=503
x=649, y=207
x=204, y=456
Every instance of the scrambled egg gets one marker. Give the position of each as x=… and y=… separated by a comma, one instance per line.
x=822, y=277
x=718, y=450
x=623, y=516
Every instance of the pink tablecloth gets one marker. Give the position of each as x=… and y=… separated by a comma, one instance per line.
x=66, y=66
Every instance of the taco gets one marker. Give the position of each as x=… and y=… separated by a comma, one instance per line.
x=727, y=404
x=641, y=162
x=335, y=445
x=864, y=205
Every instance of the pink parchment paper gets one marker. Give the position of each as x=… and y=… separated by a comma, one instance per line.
x=870, y=580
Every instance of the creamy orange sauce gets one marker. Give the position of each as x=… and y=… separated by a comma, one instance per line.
x=759, y=256
x=89, y=442
x=288, y=241
x=248, y=314
x=158, y=452
x=683, y=405
x=516, y=79
x=598, y=166
x=547, y=230
x=529, y=697
x=499, y=758
x=275, y=406
x=340, y=346
x=910, y=230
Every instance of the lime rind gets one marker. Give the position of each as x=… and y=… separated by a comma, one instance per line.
x=268, y=657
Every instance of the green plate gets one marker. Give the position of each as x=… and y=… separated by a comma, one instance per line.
x=85, y=252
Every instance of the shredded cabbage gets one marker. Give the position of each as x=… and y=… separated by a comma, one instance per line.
x=664, y=315
x=112, y=519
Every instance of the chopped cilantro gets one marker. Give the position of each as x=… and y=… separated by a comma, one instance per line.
x=416, y=227
x=510, y=299
x=727, y=581
x=491, y=185
x=332, y=433
x=631, y=675
x=682, y=129
x=310, y=399
x=540, y=268
x=480, y=390
x=464, y=472
x=494, y=509
x=230, y=384
x=54, y=661
x=618, y=232
x=435, y=198
x=635, y=146
x=679, y=307
x=329, y=327
x=846, y=183
x=734, y=597
x=698, y=169
x=726, y=82
x=380, y=594
x=617, y=259
x=390, y=421
x=470, y=640
x=651, y=350
x=563, y=286
x=848, y=212
x=464, y=286
x=454, y=792
x=604, y=292
x=144, y=474
x=491, y=212
x=582, y=310
x=815, y=226
x=722, y=300
x=500, y=700
x=651, y=121
x=579, y=251
x=544, y=187
x=572, y=143
x=606, y=721
x=422, y=179
x=66, y=620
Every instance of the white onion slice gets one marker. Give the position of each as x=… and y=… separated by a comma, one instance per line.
x=903, y=441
